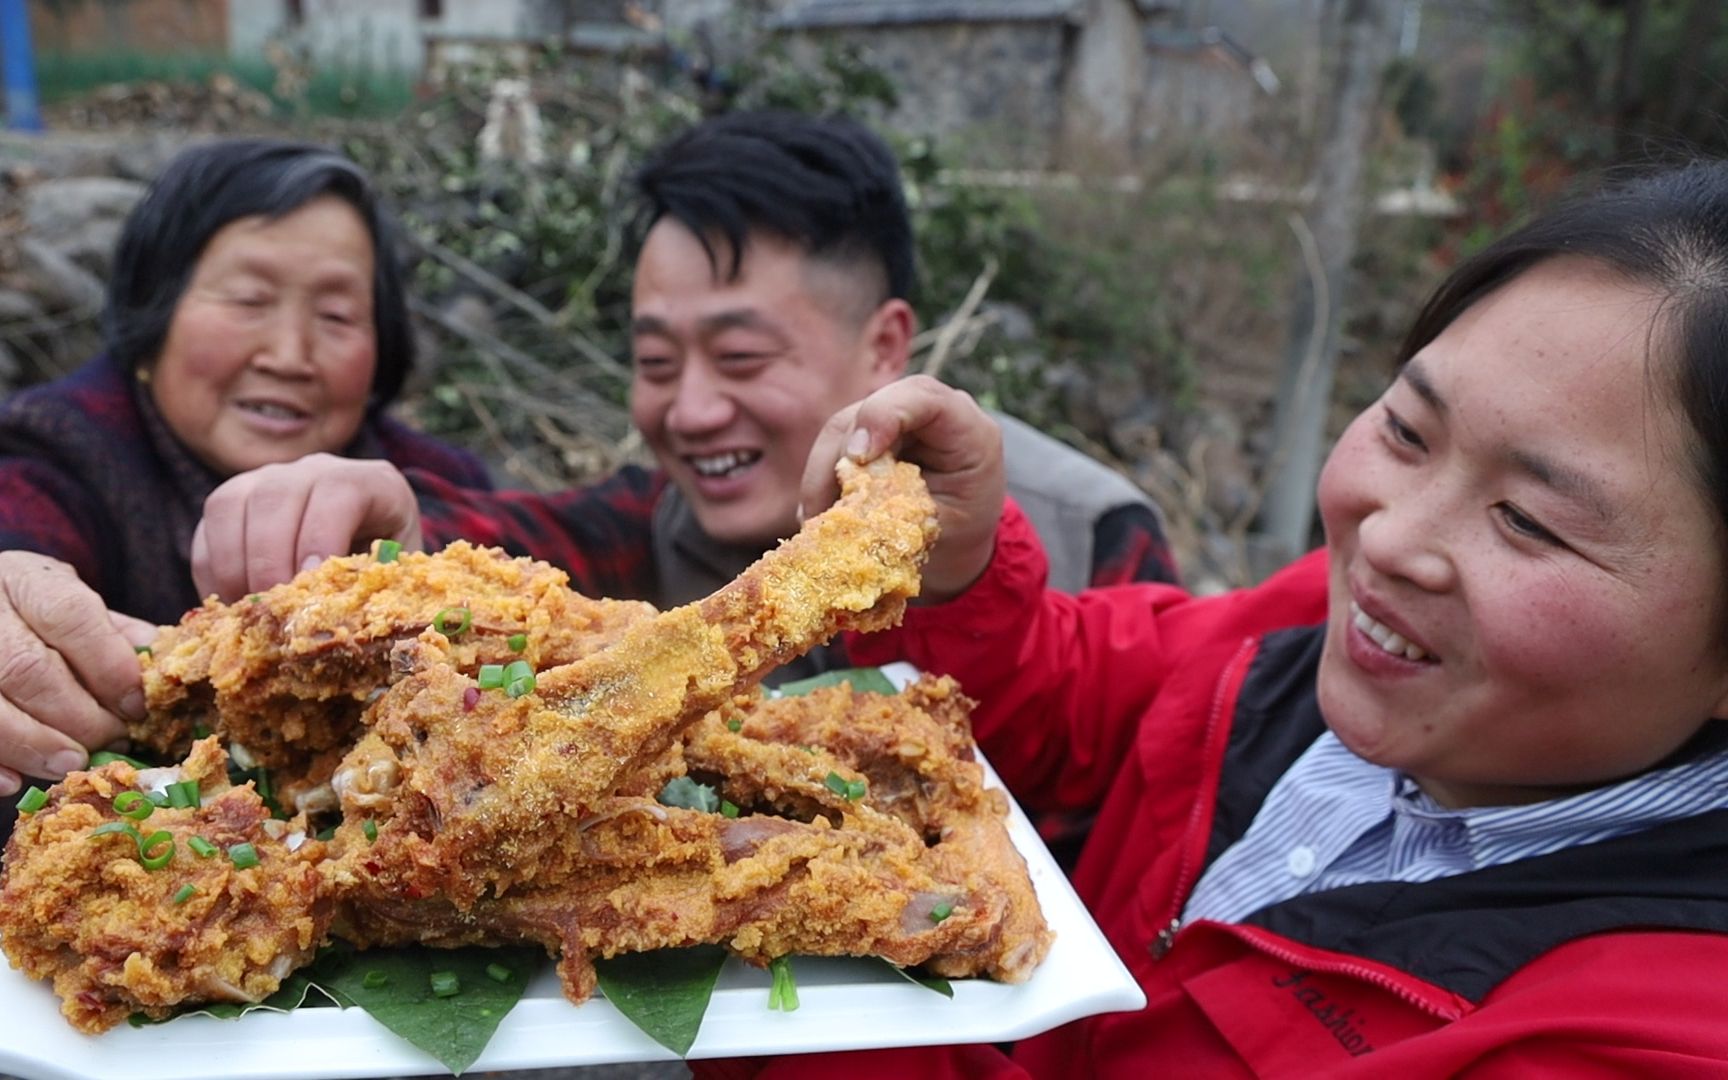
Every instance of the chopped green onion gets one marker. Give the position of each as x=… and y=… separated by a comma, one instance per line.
x=200, y=731
x=374, y=979
x=158, y=799
x=388, y=550
x=108, y=757
x=134, y=804
x=491, y=676
x=326, y=834
x=116, y=827
x=518, y=678
x=201, y=847
x=256, y=597
x=187, y=892
x=728, y=809
x=498, y=973
x=783, y=995
x=452, y=621
x=243, y=856
x=734, y=724
x=941, y=911
x=162, y=843
x=370, y=828
x=518, y=642
x=850, y=790
x=184, y=795
x=446, y=984
x=143, y=650
x=33, y=799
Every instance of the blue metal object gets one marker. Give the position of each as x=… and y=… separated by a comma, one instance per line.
x=19, y=63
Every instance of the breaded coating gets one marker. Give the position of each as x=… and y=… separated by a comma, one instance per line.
x=479, y=790
x=286, y=673
x=117, y=938
x=918, y=870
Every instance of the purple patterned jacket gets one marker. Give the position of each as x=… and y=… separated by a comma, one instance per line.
x=91, y=475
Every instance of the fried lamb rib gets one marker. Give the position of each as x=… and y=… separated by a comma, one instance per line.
x=918, y=869
x=475, y=793
x=79, y=906
x=285, y=674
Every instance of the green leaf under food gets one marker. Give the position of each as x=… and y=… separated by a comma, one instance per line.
x=864, y=680
x=453, y=1029
x=688, y=794
x=665, y=992
x=928, y=982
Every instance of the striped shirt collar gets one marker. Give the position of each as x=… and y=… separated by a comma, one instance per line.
x=1334, y=819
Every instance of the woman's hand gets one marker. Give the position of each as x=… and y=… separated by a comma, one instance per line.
x=260, y=528
x=68, y=669
x=958, y=446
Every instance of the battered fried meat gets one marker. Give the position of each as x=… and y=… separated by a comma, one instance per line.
x=856, y=824
x=80, y=908
x=287, y=672
x=917, y=869
x=476, y=792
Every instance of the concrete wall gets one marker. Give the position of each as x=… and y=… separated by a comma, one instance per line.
x=378, y=35
x=1197, y=95
x=386, y=34
x=1104, y=80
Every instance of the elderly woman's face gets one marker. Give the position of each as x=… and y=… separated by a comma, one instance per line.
x=271, y=350
x=1526, y=581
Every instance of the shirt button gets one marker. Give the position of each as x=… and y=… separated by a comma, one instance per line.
x=1301, y=861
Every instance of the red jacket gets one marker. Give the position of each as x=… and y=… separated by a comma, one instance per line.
x=1177, y=714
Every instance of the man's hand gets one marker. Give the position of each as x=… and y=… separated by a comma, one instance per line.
x=958, y=446
x=260, y=528
x=68, y=669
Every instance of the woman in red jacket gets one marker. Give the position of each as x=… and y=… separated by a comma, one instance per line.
x=1449, y=797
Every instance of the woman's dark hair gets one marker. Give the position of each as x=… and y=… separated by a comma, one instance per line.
x=1666, y=231
x=827, y=183
x=210, y=185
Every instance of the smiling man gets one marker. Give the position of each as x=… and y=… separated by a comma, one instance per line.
x=772, y=290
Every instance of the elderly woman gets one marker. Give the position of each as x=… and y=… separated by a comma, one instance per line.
x=256, y=314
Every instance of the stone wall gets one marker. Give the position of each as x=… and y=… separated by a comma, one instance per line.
x=998, y=85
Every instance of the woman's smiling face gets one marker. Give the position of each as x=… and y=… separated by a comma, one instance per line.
x=272, y=348
x=1526, y=579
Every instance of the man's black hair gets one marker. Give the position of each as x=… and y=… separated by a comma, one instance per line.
x=827, y=183
x=210, y=185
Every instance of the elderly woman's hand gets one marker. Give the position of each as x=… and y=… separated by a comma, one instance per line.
x=953, y=440
x=260, y=528
x=68, y=669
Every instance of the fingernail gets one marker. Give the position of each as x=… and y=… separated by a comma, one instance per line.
x=132, y=705
x=859, y=444
x=311, y=563
x=62, y=762
x=800, y=513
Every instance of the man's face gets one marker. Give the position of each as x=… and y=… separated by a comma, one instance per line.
x=734, y=379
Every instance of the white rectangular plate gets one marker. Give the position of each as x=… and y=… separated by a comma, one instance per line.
x=843, y=1005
